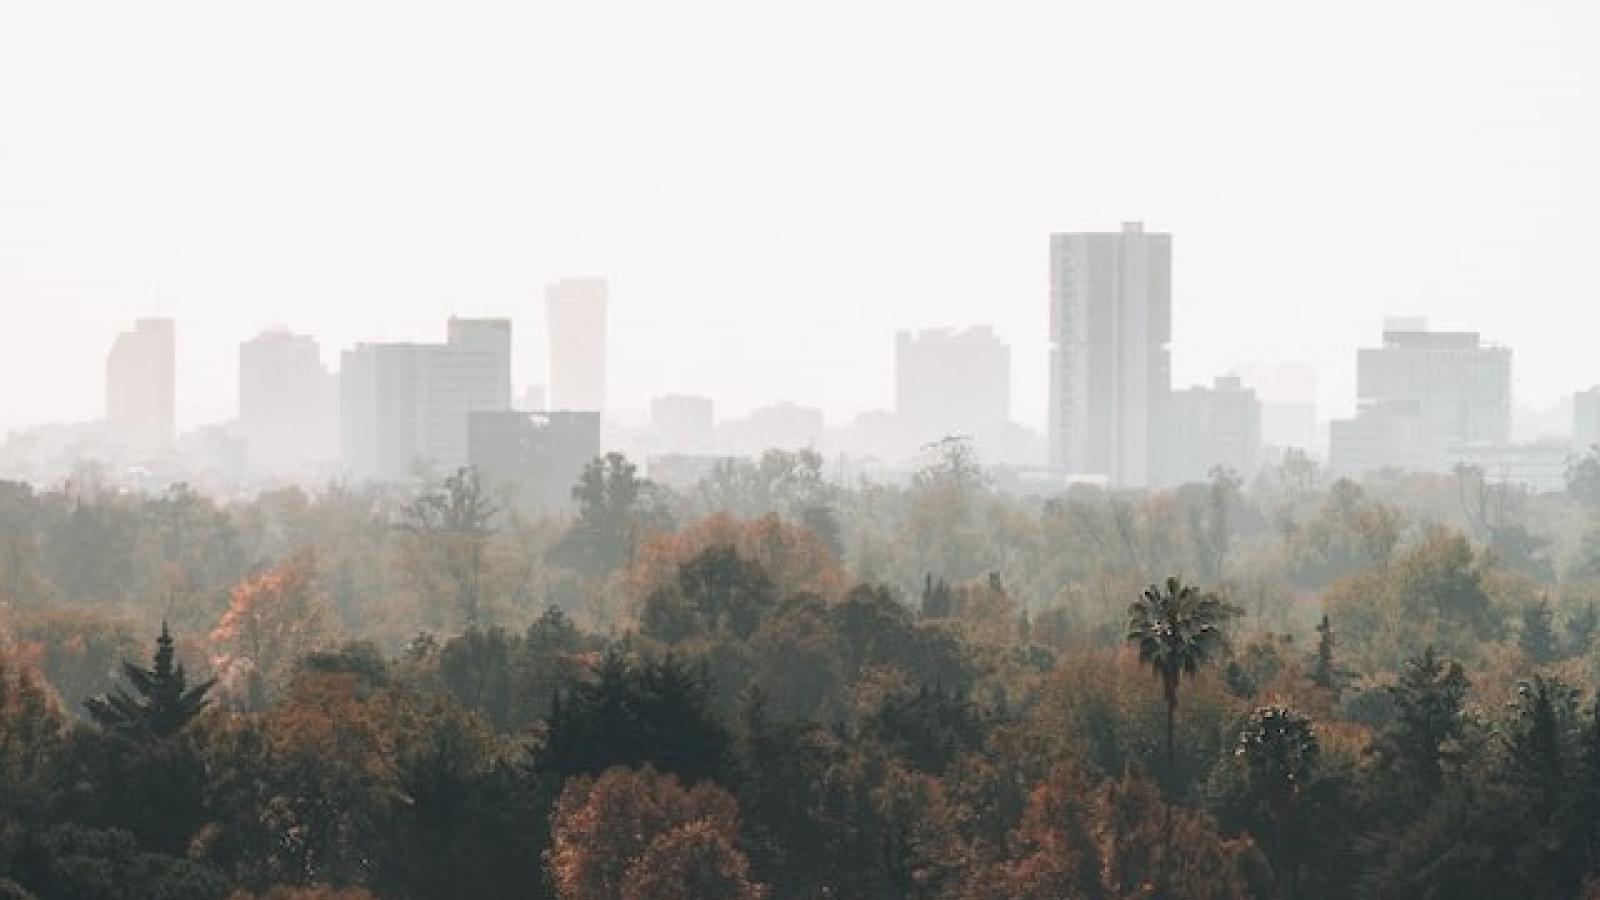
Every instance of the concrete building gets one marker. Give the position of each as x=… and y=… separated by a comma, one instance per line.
x=405, y=405
x=1586, y=419
x=681, y=422
x=140, y=386
x=784, y=425
x=288, y=400
x=536, y=456
x=1217, y=426
x=1110, y=369
x=952, y=382
x=1435, y=393
x=575, y=310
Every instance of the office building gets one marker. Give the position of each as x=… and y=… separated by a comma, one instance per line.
x=1110, y=369
x=407, y=405
x=288, y=400
x=536, y=457
x=1214, y=427
x=575, y=310
x=1423, y=399
x=952, y=382
x=140, y=386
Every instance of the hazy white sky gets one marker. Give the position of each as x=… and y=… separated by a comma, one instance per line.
x=773, y=189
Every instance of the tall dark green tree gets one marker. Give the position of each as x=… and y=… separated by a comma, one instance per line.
x=161, y=701
x=1422, y=742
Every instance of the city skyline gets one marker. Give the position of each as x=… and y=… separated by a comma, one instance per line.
x=873, y=166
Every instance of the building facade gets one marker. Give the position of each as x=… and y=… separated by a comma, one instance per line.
x=407, y=405
x=683, y=423
x=1110, y=367
x=537, y=457
x=288, y=400
x=1424, y=399
x=952, y=382
x=141, y=394
x=575, y=311
x=1212, y=427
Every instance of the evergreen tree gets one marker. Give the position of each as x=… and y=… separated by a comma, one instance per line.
x=161, y=703
x=1325, y=670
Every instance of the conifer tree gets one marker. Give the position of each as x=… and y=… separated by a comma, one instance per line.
x=161, y=702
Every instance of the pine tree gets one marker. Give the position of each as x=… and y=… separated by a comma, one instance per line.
x=1325, y=670
x=161, y=703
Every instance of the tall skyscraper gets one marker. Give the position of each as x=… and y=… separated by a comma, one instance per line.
x=140, y=387
x=288, y=400
x=1110, y=369
x=950, y=382
x=575, y=310
x=402, y=405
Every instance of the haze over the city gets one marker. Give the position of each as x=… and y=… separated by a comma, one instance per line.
x=772, y=193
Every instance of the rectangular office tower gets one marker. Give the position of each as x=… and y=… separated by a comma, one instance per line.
x=407, y=405
x=288, y=400
x=575, y=310
x=952, y=382
x=1110, y=368
x=1424, y=400
x=140, y=386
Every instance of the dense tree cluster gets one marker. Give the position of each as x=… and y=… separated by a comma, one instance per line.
x=774, y=686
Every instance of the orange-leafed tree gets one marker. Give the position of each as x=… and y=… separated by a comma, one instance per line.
x=632, y=834
x=273, y=618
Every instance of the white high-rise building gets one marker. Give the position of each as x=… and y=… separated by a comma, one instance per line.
x=950, y=382
x=404, y=405
x=1423, y=398
x=140, y=385
x=575, y=310
x=1110, y=368
x=288, y=400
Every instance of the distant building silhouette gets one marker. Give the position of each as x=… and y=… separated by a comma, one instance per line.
x=683, y=422
x=288, y=400
x=403, y=405
x=537, y=456
x=784, y=425
x=950, y=382
x=575, y=310
x=1422, y=399
x=140, y=385
x=1586, y=419
x=1110, y=369
x=1218, y=426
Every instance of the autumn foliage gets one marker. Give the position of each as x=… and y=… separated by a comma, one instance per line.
x=638, y=835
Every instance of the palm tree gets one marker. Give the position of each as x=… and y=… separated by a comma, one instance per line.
x=1178, y=630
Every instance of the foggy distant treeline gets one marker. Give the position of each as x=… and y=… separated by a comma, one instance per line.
x=773, y=685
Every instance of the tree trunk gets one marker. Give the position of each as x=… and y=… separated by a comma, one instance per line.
x=1163, y=888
